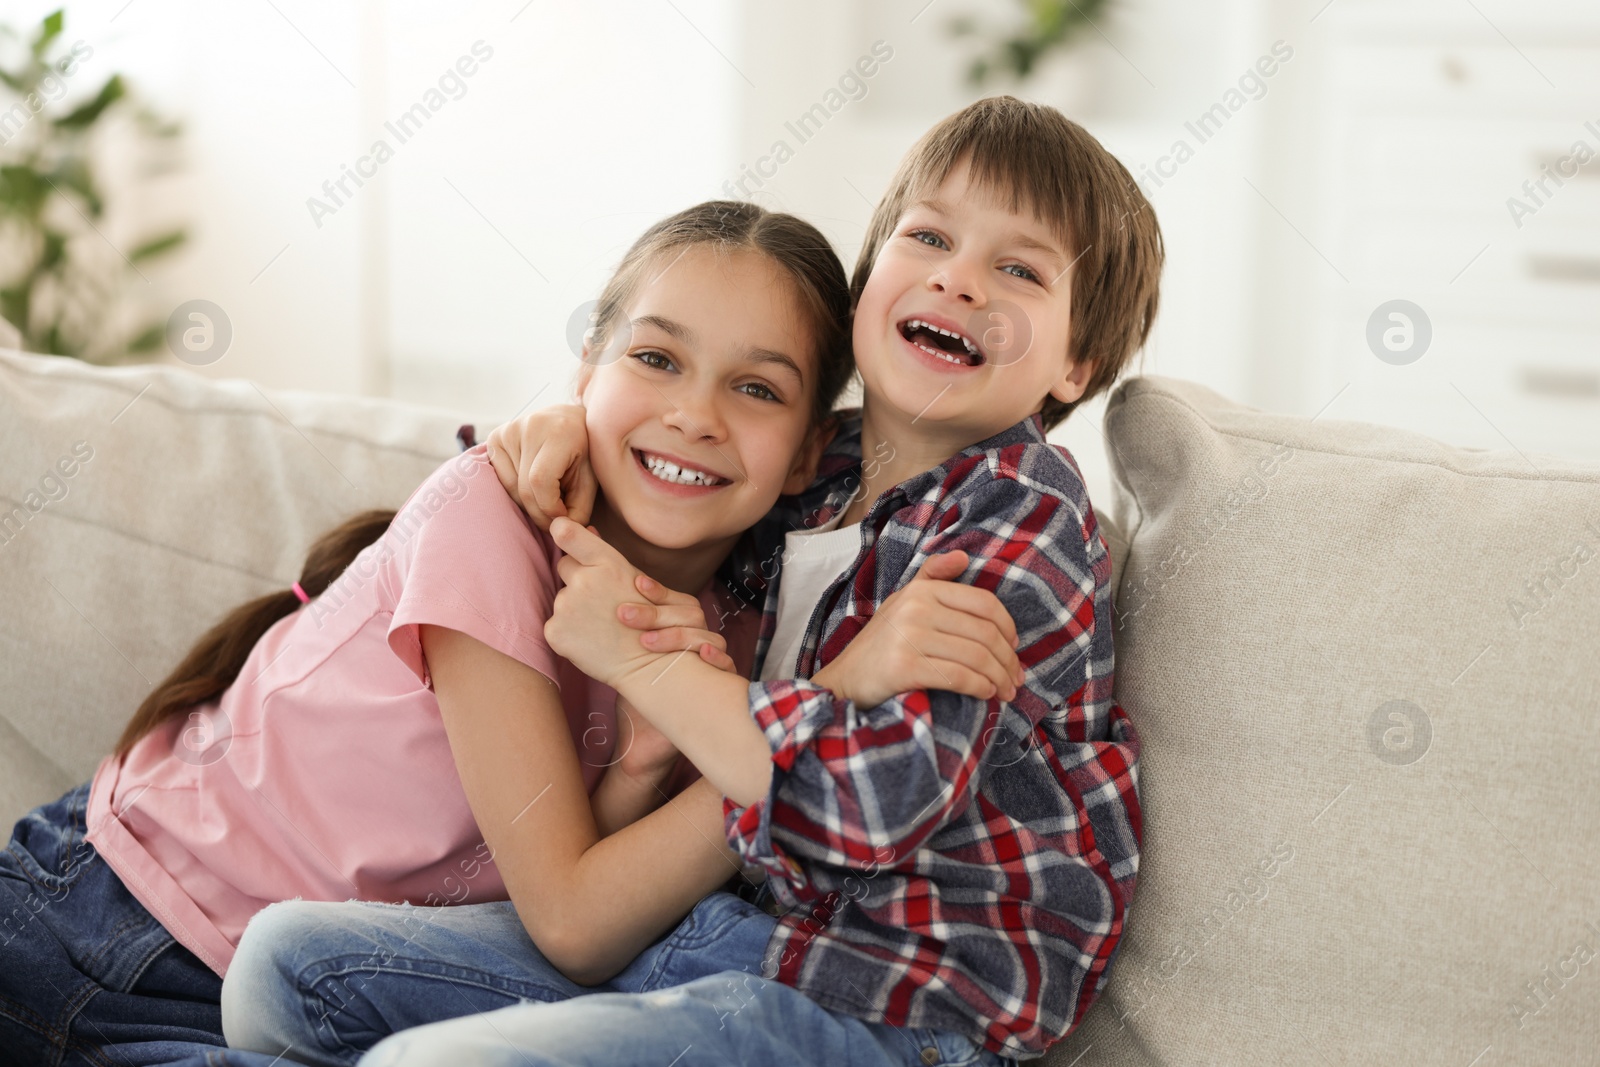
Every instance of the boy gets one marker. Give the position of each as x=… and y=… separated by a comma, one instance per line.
x=953, y=874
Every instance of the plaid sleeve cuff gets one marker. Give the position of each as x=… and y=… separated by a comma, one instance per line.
x=789, y=712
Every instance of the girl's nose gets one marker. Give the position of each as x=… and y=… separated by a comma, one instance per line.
x=696, y=415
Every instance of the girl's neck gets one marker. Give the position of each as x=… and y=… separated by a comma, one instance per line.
x=685, y=569
x=892, y=453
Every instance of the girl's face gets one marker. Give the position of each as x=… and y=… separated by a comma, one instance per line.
x=701, y=415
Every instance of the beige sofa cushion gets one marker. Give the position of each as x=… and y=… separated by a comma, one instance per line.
x=185, y=497
x=1364, y=666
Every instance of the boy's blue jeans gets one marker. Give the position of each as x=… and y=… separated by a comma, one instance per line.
x=327, y=982
x=88, y=977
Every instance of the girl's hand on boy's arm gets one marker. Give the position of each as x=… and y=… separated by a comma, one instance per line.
x=935, y=633
x=542, y=461
x=704, y=711
x=585, y=623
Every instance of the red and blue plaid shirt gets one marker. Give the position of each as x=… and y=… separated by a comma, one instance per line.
x=945, y=861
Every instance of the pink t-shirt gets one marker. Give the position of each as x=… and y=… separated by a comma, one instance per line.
x=324, y=772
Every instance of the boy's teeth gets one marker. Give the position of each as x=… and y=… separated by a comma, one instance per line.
x=968, y=345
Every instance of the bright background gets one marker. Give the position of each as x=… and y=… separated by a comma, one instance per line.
x=1376, y=165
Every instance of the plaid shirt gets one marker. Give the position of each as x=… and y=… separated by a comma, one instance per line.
x=944, y=861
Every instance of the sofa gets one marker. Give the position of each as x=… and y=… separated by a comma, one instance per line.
x=1365, y=667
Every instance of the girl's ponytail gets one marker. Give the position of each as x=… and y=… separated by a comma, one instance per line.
x=218, y=657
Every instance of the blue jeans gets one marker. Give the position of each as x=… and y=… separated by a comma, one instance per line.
x=328, y=982
x=87, y=975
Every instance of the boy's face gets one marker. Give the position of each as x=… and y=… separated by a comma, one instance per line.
x=962, y=327
x=701, y=415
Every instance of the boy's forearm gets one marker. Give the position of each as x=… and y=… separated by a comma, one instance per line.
x=705, y=713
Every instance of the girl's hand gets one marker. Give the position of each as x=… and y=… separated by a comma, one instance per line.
x=584, y=624
x=935, y=633
x=674, y=622
x=542, y=460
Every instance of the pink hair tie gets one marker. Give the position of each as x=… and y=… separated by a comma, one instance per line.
x=301, y=593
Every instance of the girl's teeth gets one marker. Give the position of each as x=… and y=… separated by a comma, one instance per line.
x=671, y=472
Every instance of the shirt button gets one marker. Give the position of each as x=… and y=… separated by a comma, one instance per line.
x=930, y=1055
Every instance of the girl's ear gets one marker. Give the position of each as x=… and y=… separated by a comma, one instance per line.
x=585, y=373
x=804, y=470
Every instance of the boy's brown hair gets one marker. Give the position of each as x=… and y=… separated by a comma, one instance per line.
x=1046, y=163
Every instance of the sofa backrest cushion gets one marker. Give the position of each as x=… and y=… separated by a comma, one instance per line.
x=138, y=506
x=1365, y=668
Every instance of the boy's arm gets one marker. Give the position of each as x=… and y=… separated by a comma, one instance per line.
x=542, y=461
x=857, y=787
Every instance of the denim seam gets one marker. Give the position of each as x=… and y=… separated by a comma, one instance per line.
x=36, y=874
x=110, y=943
x=59, y=1036
x=325, y=971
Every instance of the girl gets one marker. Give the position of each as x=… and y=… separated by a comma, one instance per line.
x=397, y=728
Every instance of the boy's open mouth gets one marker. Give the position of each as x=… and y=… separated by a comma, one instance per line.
x=677, y=472
x=952, y=346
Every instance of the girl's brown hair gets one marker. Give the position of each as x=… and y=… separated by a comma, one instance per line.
x=794, y=245
x=218, y=657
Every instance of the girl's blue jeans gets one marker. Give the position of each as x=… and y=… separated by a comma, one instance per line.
x=330, y=982
x=88, y=977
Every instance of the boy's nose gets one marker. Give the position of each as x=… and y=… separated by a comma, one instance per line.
x=959, y=279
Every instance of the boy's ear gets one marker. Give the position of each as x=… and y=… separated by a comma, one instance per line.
x=1070, y=386
x=804, y=470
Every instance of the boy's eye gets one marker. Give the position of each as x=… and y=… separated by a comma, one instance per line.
x=759, y=391
x=927, y=237
x=652, y=358
x=1024, y=273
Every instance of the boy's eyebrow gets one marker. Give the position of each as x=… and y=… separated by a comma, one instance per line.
x=1025, y=241
x=682, y=333
x=1018, y=238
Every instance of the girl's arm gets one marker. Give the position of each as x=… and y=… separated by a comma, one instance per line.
x=591, y=904
x=957, y=635
x=635, y=784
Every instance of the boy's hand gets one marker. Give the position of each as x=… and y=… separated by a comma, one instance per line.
x=674, y=621
x=542, y=460
x=935, y=633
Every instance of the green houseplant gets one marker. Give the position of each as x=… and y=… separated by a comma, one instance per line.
x=1049, y=25
x=63, y=282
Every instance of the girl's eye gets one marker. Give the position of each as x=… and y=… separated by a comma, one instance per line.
x=652, y=358
x=927, y=237
x=759, y=391
x=1025, y=274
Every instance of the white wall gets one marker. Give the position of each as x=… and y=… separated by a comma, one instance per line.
x=450, y=277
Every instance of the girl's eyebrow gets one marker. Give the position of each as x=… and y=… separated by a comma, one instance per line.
x=682, y=333
x=767, y=355
x=676, y=330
